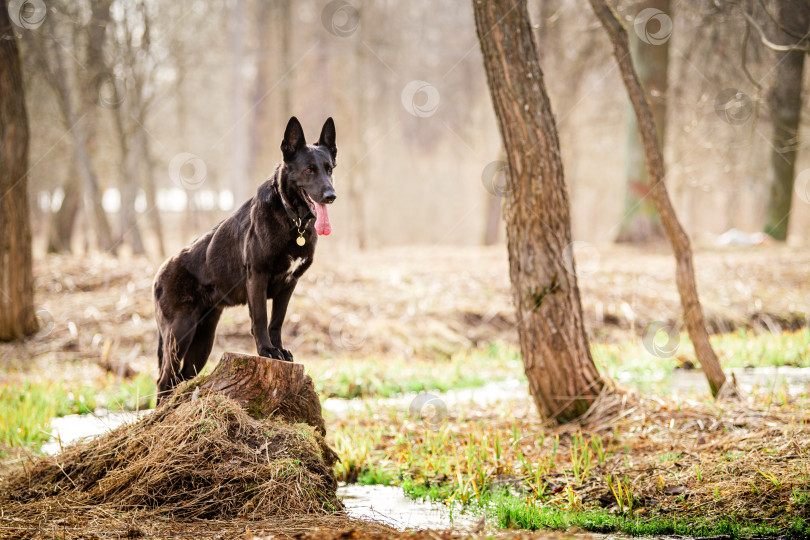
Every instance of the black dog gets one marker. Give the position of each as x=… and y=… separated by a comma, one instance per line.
x=256, y=254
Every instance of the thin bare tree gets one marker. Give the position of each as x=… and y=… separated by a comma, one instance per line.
x=678, y=239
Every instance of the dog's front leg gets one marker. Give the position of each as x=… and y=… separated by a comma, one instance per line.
x=280, y=303
x=257, y=305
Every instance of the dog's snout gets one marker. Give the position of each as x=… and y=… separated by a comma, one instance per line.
x=329, y=197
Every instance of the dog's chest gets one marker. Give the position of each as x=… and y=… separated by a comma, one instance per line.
x=295, y=264
x=294, y=267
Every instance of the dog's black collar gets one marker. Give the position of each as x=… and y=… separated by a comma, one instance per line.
x=296, y=219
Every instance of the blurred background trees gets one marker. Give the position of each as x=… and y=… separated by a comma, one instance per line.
x=792, y=28
x=153, y=120
x=649, y=49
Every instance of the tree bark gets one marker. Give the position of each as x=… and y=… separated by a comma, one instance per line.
x=786, y=107
x=684, y=272
x=17, y=314
x=63, y=221
x=239, y=131
x=261, y=119
x=557, y=359
x=285, y=29
x=492, y=227
x=265, y=387
x=640, y=221
x=131, y=156
x=151, y=193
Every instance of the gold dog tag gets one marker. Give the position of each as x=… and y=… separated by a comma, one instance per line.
x=301, y=241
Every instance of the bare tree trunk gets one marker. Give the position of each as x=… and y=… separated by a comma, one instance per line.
x=685, y=272
x=356, y=178
x=556, y=356
x=92, y=191
x=239, y=143
x=63, y=221
x=89, y=99
x=17, y=314
x=151, y=192
x=130, y=171
x=191, y=218
x=261, y=119
x=650, y=54
x=786, y=109
x=285, y=34
x=493, y=221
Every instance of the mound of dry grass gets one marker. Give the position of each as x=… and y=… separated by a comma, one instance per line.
x=204, y=458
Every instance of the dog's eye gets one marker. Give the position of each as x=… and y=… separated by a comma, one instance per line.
x=309, y=170
x=328, y=170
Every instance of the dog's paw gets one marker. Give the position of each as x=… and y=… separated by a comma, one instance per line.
x=271, y=352
x=288, y=357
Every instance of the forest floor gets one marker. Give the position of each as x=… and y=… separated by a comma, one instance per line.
x=373, y=327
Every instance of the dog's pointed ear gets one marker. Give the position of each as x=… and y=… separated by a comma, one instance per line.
x=293, y=139
x=327, y=139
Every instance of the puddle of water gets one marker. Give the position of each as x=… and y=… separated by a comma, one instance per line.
x=67, y=429
x=488, y=394
x=693, y=381
x=389, y=505
x=679, y=383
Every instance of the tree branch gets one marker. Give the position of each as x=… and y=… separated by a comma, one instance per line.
x=767, y=42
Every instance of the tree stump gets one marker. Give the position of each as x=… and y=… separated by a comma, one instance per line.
x=265, y=387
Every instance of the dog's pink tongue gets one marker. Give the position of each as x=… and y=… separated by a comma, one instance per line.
x=322, y=225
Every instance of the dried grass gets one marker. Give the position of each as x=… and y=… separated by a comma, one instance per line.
x=738, y=457
x=390, y=302
x=201, y=459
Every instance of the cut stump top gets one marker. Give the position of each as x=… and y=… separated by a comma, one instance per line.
x=266, y=388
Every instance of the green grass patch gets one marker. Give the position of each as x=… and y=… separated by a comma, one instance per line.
x=513, y=512
x=383, y=377
x=27, y=408
x=631, y=363
x=745, y=348
x=24, y=414
x=377, y=477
